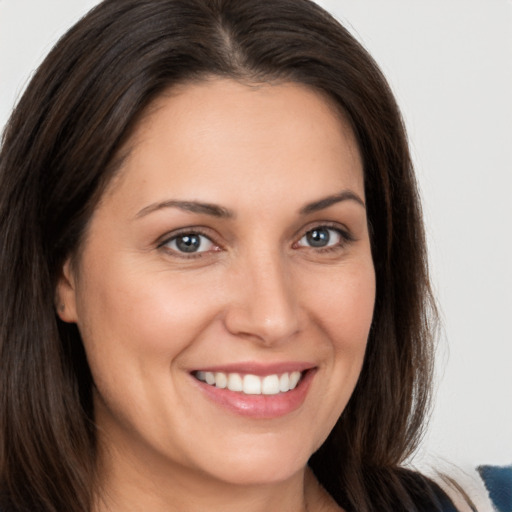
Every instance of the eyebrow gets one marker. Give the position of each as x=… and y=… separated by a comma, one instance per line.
x=189, y=206
x=224, y=213
x=321, y=204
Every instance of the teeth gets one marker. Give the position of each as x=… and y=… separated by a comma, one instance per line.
x=235, y=382
x=270, y=385
x=251, y=384
x=294, y=379
x=284, y=383
x=221, y=381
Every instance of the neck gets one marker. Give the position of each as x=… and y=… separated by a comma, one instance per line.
x=200, y=494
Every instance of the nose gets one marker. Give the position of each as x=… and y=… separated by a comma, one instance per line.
x=263, y=303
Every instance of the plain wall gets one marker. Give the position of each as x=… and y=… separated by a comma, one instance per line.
x=450, y=65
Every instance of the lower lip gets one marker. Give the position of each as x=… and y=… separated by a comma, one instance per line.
x=260, y=406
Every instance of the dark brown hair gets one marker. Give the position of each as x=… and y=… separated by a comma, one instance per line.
x=61, y=147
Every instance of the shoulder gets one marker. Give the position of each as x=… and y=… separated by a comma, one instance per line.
x=482, y=489
x=498, y=482
x=426, y=494
x=442, y=500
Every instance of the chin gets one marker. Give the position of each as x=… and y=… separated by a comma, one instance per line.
x=260, y=463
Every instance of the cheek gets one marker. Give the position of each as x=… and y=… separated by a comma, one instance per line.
x=345, y=305
x=135, y=328
x=344, y=312
x=136, y=322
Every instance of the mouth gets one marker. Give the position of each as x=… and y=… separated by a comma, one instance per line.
x=250, y=384
x=257, y=391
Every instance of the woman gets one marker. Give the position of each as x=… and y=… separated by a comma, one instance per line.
x=214, y=285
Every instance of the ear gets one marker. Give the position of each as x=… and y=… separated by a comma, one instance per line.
x=65, y=294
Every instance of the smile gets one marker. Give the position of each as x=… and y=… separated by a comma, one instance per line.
x=254, y=390
x=251, y=384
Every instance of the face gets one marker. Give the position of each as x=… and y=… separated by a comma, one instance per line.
x=225, y=288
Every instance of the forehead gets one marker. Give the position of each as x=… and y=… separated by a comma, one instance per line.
x=201, y=133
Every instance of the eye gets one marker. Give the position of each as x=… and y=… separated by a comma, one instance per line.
x=322, y=236
x=189, y=243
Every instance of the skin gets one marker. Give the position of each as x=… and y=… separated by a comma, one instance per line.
x=257, y=291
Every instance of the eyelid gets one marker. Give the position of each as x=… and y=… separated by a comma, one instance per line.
x=194, y=230
x=337, y=226
x=345, y=234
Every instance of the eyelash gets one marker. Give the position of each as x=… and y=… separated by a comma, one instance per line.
x=182, y=233
x=345, y=238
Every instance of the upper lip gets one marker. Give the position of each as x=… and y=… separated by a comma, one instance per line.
x=261, y=369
